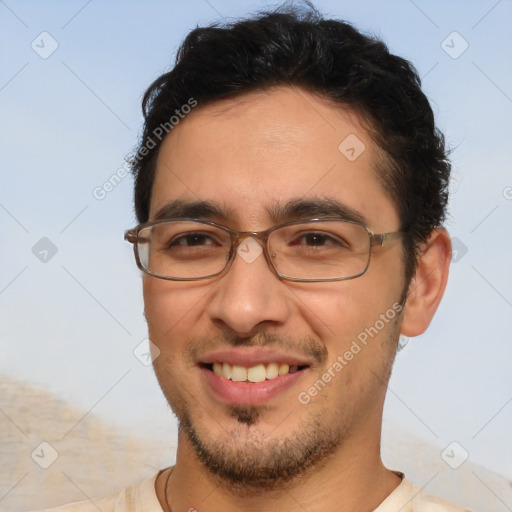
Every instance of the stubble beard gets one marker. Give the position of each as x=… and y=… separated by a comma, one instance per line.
x=251, y=463
x=247, y=461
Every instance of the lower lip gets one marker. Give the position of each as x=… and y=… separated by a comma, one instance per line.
x=249, y=393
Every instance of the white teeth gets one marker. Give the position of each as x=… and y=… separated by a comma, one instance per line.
x=272, y=371
x=283, y=369
x=227, y=370
x=239, y=373
x=257, y=373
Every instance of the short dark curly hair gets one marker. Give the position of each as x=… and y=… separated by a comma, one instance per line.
x=298, y=47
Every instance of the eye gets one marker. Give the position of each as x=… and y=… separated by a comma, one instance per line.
x=318, y=239
x=192, y=240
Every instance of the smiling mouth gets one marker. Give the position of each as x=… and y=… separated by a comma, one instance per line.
x=256, y=373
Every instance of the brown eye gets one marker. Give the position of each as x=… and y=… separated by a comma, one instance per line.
x=192, y=239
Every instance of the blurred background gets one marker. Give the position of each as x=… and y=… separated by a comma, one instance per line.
x=81, y=413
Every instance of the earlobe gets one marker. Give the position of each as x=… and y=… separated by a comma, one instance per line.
x=428, y=284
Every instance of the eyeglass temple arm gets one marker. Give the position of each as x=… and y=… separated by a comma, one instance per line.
x=385, y=238
x=130, y=236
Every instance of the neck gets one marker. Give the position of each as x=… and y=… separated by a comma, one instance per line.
x=352, y=478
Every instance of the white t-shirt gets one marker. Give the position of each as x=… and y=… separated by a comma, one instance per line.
x=142, y=497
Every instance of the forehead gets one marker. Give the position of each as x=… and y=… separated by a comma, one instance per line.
x=253, y=154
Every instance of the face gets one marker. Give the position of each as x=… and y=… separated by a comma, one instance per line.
x=252, y=157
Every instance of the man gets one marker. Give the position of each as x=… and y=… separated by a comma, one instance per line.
x=290, y=188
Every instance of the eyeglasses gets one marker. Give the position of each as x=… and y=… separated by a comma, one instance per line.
x=323, y=249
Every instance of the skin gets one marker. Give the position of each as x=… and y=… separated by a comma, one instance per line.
x=249, y=154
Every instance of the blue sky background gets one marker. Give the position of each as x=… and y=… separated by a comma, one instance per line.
x=71, y=323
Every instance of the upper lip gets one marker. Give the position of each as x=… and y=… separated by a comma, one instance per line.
x=251, y=357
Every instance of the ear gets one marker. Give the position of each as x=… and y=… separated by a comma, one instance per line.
x=428, y=284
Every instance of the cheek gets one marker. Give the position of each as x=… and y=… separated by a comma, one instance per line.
x=170, y=308
x=347, y=319
x=338, y=312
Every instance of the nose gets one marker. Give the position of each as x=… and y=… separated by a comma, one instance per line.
x=249, y=296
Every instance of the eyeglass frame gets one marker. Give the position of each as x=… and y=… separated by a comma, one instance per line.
x=237, y=237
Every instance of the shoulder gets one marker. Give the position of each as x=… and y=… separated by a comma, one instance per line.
x=136, y=498
x=105, y=504
x=408, y=497
x=430, y=503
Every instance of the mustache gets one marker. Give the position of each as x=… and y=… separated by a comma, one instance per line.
x=306, y=346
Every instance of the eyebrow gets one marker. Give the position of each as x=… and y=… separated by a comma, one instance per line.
x=293, y=209
x=314, y=207
x=193, y=209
